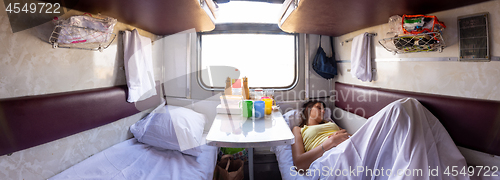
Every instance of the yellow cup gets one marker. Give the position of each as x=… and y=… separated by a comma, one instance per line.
x=269, y=105
x=268, y=111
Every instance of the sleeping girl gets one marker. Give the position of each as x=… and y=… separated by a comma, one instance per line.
x=402, y=141
x=314, y=135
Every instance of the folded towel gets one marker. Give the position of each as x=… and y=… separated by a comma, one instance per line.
x=361, y=67
x=138, y=66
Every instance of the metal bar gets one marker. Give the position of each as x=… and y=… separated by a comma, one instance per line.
x=349, y=40
x=409, y=59
x=306, y=66
x=188, y=66
x=472, y=48
x=250, y=164
x=419, y=59
x=123, y=32
x=373, y=70
x=477, y=37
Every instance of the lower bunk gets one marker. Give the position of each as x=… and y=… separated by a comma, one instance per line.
x=168, y=144
x=135, y=160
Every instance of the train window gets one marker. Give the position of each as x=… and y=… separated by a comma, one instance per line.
x=252, y=48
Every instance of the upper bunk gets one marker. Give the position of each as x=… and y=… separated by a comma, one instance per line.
x=160, y=17
x=336, y=18
x=333, y=18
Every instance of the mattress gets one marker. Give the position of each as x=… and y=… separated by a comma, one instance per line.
x=134, y=160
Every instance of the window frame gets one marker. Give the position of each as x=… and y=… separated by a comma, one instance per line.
x=247, y=28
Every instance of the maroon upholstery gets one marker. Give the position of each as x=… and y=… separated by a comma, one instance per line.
x=471, y=123
x=30, y=121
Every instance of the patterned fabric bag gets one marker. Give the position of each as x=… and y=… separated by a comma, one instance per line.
x=237, y=153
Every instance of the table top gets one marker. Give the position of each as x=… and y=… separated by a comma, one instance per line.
x=241, y=132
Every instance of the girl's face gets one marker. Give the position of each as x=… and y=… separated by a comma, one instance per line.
x=316, y=114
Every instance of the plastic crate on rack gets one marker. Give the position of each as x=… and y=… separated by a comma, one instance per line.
x=410, y=43
x=83, y=32
x=88, y=39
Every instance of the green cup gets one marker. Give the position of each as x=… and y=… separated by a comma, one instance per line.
x=246, y=108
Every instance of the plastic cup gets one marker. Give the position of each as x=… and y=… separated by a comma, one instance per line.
x=246, y=108
x=259, y=107
x=269, y=105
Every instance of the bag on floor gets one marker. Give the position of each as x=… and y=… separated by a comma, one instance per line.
x=237, y=153
x=229, y=169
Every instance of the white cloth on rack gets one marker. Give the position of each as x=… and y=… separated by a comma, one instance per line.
x=361, y=67
x=138, y=66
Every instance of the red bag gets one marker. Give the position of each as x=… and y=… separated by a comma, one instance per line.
x=416, y=24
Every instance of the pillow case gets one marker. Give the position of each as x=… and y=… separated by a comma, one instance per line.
x=171, y=127
x=293, y=119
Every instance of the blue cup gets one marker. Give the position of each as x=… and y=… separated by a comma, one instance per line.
x=259, y=107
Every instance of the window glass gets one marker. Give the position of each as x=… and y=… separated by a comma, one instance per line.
x=267, y=60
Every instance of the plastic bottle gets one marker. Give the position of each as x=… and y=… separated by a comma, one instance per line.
x=259, y=93
x=395, y=27
x=236, y=87
x=246, y=91
x=227, y=90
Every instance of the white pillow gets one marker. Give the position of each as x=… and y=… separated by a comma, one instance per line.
x=293, y=119
x=171, y=127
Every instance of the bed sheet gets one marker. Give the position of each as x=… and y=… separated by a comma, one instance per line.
x=134, y=160
x=404, y=135
x=285, y=162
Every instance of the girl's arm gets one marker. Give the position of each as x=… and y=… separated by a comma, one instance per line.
x=302, y=159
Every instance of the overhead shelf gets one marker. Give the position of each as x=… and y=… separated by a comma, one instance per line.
x=339, y=17
x=160, y=17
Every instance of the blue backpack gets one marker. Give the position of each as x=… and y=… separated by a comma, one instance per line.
x=326, y=67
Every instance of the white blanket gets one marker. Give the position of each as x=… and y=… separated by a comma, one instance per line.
x=402, y=141
x=138, y=66
x=361, y=67
x=134, y=160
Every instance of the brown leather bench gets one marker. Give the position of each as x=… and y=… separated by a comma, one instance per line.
x=34, y=120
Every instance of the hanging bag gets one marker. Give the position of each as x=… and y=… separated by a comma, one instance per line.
x=416, y=24
x=325, y=66
x=229, y=169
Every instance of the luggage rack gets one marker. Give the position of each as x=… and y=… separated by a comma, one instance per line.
x=424, y=42
x=84, y=38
